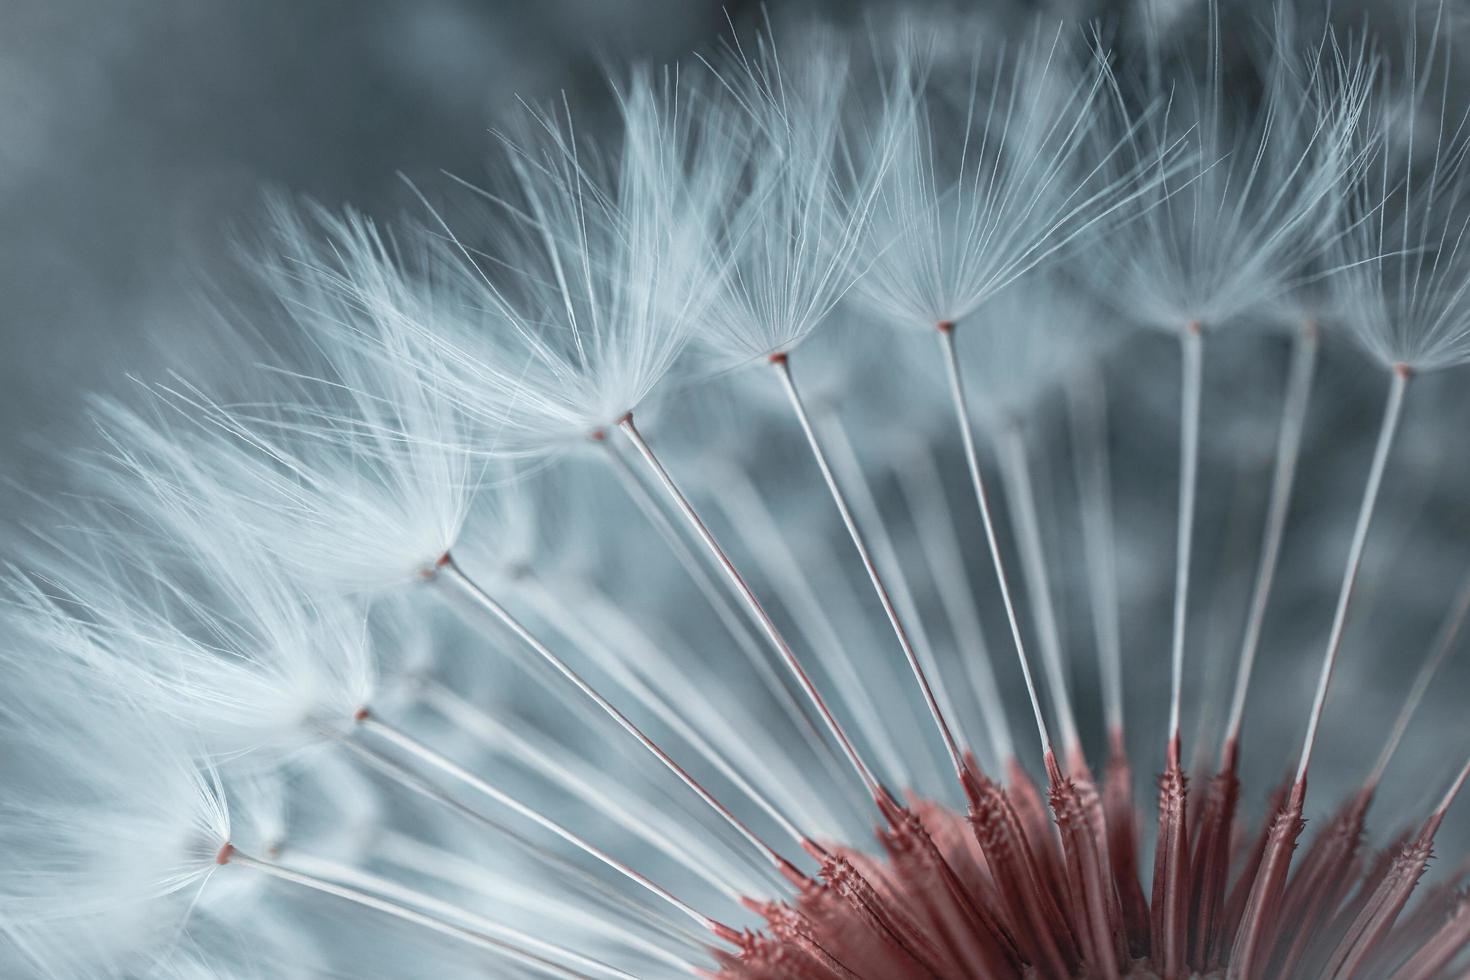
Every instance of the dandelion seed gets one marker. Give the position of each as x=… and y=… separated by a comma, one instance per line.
x=599, y=271
x=109, y=844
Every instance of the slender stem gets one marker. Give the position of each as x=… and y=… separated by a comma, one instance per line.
x=1016, y=473
x=630, y=431
x=859, y=491
x=1288, y=452
x=231, y=856
x=1192, y=364
x=599, y=796
x=972, y=460
x=783, y=372
x=610, y=922
x=718, y=599
x=1449, y=631
x=422, y=752
x=347, y=876
x=644, y=658
x=742, y=505
x=1392, y=410
x=922, y=486
x=1437, y=817
x=452, y=572
x=1088, y=404
x=594, y=887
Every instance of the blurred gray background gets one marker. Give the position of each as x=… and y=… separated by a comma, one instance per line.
x=136, y=136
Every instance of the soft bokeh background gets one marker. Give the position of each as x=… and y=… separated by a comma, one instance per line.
x=136, y=137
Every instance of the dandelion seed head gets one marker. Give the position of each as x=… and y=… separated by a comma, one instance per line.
x=200, y=632
x=1403, y=263
x=109, y=842
x=1253, y=215
x=790, y=238
x=612, y=268
x=985, y=181
x=355, y=473
x=856, y=675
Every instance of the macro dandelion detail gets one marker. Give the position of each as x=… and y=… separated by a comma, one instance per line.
x=583, y=578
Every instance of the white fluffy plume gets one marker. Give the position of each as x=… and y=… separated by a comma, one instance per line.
x=991, y=174
x=1404, y=262
x=597, y=266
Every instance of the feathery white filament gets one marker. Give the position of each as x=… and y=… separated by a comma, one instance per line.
x=790, y=238
x=957, y=220
x=1402, y=254
x=598, y=268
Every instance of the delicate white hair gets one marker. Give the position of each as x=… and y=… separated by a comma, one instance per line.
x=790, y=237
x=348, y=469
x=597, y=266
x=169, y=611
x=1258, y=204
x=987, y=180
x=1403, y=262
x=109, y=830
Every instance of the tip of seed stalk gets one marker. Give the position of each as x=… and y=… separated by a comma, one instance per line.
x=726, y=933
x=361, y=714
x=428, y=572
x=624, y=419
x=752, y=905
x=780, y=357
x=223, y=855
x=1403, y=370
x=945, y=326
x=1173, y=751
x=1117, y=743
x=1053, y=771
x=792, y=874
x=598, y=435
